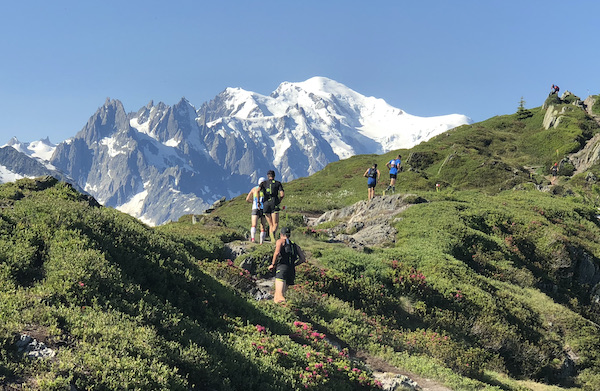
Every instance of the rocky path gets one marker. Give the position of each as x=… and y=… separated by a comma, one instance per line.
x=362, y=224
x=390, y=375
x=367, y=223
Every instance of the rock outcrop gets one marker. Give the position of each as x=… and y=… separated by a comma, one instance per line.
x=367, y=223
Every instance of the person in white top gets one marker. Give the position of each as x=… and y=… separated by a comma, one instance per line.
x=256, y=197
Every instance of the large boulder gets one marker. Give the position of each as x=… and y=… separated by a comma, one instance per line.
x=367, y=223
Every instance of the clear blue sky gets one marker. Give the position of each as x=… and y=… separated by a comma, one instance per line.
x=60, y=60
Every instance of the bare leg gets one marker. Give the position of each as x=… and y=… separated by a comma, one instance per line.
x=269, y=218
x=280, y=289
x=275, y=218
x=263, y=227
x=253, y=228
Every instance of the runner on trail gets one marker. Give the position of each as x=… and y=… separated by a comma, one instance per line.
x=394, y=166
x=273, y=193
x=255, y=196
x=286, y=257
x=373, y=175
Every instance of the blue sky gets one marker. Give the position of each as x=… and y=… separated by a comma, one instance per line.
x=60, y=60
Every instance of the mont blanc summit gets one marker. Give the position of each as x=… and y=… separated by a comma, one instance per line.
x=165, y=161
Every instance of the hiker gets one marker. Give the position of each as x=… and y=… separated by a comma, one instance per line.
x=273, y=193
x=554, y=172
x=286, y=257
x=555, y=89
x=373, y=175
x=255, y=196
x=394, y=166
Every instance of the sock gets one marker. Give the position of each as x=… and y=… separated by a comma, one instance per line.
x=262, y=236
x=252, y=233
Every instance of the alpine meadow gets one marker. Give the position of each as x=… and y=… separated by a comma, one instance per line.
x=481, y=272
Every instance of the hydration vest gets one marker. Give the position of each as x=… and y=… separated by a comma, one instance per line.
x=257, y=201
x=289, y=255
x=271, y=190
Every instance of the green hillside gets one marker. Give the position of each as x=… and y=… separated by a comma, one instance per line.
x=491, y=283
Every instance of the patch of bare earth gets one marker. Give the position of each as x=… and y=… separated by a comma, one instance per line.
x=379, y=365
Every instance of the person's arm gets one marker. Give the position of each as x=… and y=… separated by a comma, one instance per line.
x=301, y=256
x=366, y=173
x=378, y=175
x=275, y=254
x=388, y=165
x=249, y=196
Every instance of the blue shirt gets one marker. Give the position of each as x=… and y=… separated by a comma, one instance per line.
x=394, y=165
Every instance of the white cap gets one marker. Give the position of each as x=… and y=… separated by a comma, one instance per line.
x=261, y=180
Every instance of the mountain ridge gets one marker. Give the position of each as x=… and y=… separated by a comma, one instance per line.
x=489, y=281
x=221, y=149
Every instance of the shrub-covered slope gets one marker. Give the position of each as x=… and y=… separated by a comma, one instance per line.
x=490, y=284
x=126, y=307
x=510, y=261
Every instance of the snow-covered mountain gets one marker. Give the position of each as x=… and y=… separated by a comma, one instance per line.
x=42, y=150
x=28, y=160
x=312, y=123
x=165, y=161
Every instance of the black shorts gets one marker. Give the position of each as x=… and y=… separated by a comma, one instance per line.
x=286, y=273
x=270, y=207
x=392, y=176
x=257, y=212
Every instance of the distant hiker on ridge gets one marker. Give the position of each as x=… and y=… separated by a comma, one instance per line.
x=373, y=175
x=286, y=256
x=256, y=197
x=555, y=89
x=394, y=166
x=273, y=193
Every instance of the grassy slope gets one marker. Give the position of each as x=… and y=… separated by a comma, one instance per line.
x=499, y=246
x=480, y=284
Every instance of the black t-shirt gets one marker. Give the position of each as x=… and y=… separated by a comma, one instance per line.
x=271, y=189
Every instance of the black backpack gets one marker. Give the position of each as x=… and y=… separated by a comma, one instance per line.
x=271, y=190
x=290, y=253
x=372, y=173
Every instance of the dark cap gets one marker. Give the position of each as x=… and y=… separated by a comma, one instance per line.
x=271, y=173
x=285, y=231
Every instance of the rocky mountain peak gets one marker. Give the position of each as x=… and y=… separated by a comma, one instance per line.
x=163, y=161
